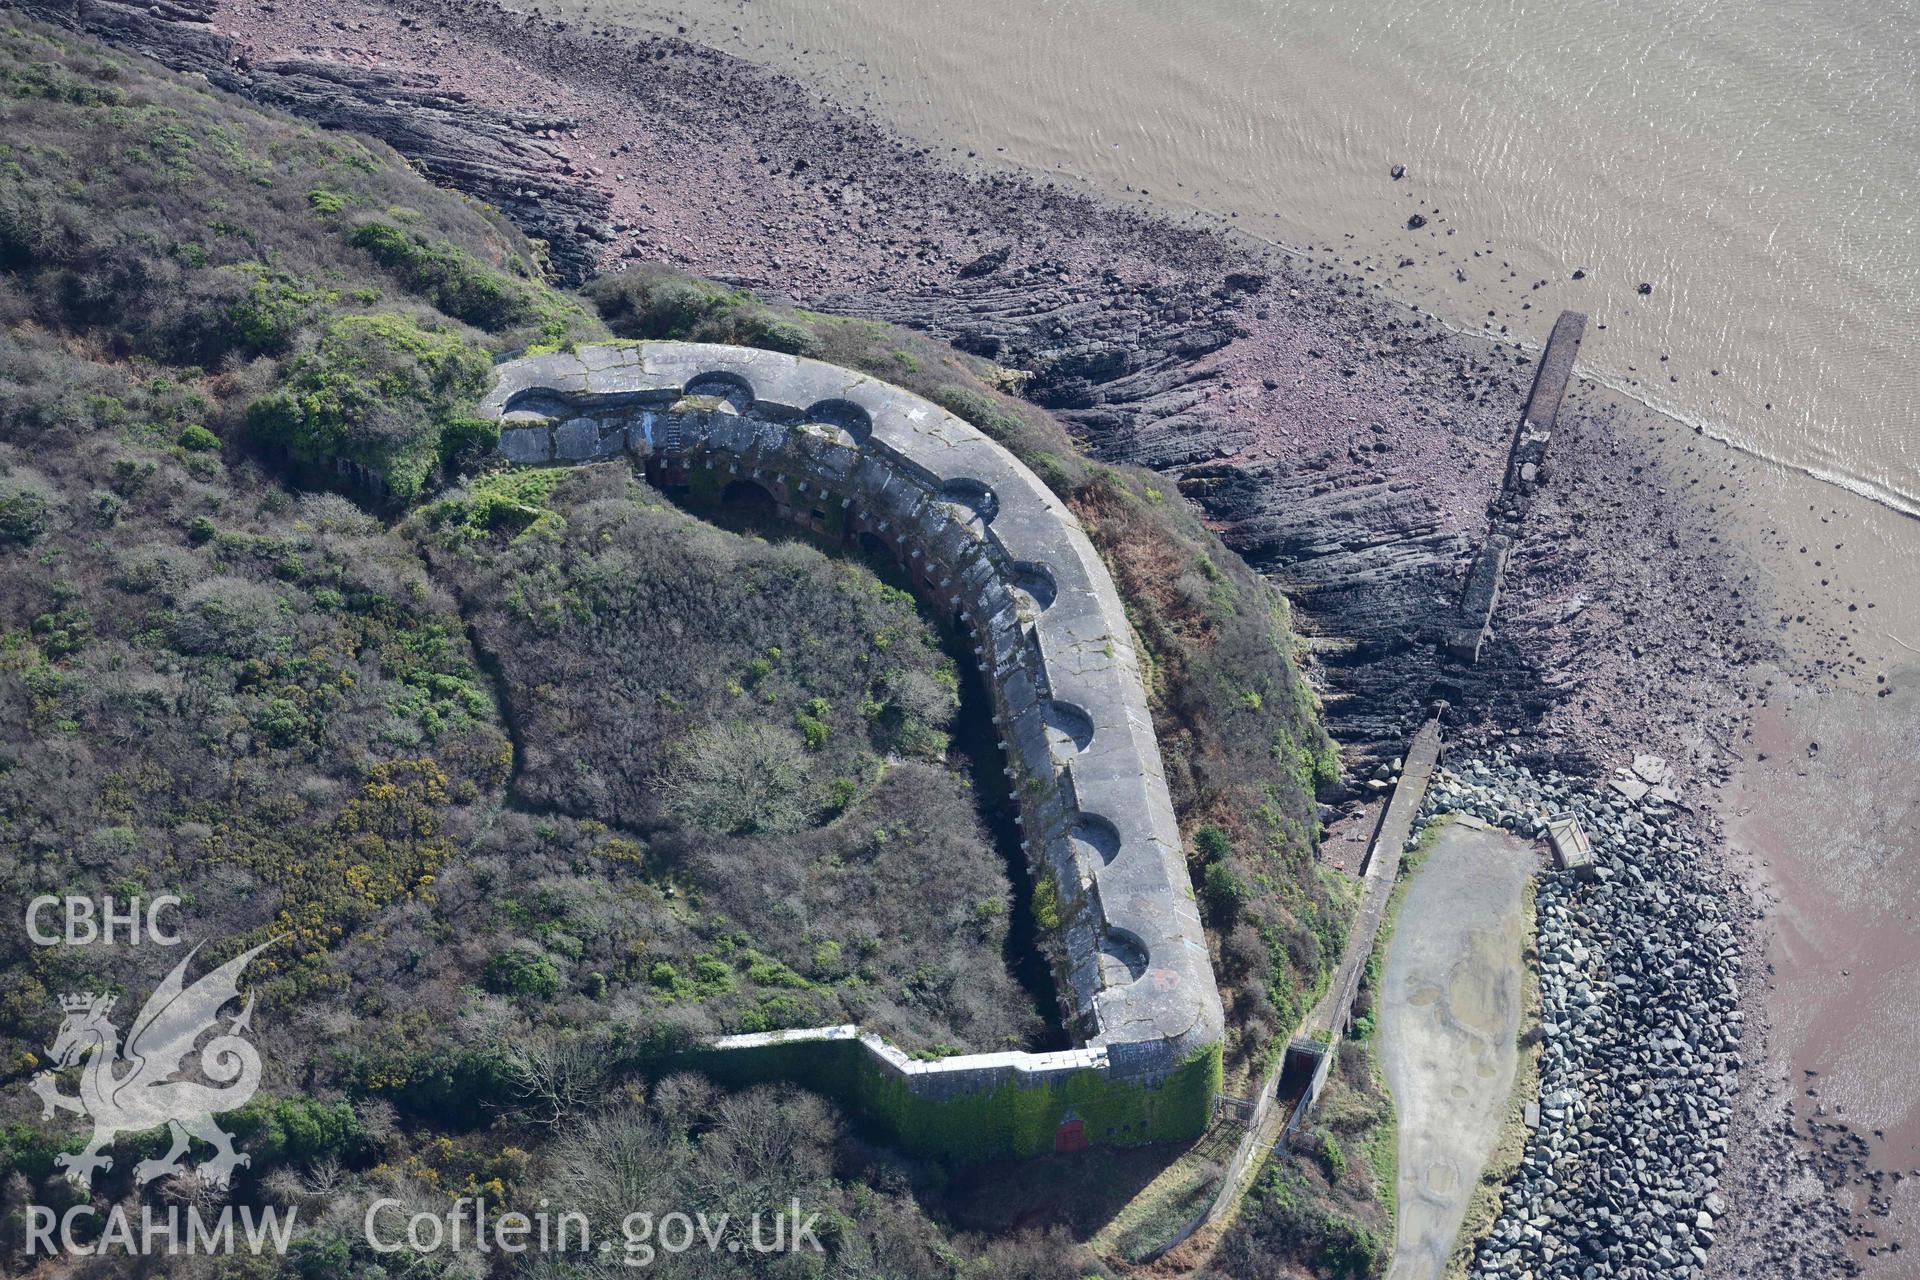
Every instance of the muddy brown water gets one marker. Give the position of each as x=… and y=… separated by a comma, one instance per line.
x=1748, y=161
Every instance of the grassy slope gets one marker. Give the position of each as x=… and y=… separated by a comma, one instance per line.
x=1238, y=726
x=214, y=685
x=265, y=702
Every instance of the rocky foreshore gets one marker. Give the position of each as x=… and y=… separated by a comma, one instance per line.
x=1641, y=1028
x=1345, y=444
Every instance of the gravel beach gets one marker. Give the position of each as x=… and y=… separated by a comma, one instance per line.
x=1349, y=445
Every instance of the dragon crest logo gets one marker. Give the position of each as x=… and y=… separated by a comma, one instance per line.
x=147, y=1082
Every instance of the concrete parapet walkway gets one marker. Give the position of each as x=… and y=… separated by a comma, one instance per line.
x=982, y=536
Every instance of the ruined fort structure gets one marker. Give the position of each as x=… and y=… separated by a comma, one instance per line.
x=983, y=538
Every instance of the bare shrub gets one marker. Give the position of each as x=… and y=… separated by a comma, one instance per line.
x=228, y=616
x=742, y=779
x=556, y=1075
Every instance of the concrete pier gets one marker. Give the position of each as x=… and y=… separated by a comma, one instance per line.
x=1526, y=471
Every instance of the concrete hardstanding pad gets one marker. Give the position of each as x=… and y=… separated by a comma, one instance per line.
x=1449, y=1014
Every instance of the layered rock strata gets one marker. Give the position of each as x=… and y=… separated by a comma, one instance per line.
x=505, y=158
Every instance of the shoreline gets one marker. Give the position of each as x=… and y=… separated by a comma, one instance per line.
x=1347, y=199
x=1335, y=435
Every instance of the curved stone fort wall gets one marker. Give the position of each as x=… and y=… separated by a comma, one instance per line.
x=981, y=535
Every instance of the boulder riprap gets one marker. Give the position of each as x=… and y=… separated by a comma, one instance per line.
x=1640, y=1039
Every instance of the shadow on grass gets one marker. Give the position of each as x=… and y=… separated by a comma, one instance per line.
x=1082, y=1192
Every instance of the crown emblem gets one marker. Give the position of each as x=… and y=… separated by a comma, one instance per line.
x=132, y=1088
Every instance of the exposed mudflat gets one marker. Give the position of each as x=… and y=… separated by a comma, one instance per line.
x=1839, y=873
x=1344, y=442
x=1450, y=1009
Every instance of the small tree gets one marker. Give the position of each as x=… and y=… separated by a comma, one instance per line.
x=553, y=1075
x=521, y=972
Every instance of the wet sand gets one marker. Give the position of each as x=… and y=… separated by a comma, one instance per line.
x=1664, y=580
x=1837, y=870
x=1824, y=843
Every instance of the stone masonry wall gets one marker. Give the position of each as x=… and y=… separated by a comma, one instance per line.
x=984, y=538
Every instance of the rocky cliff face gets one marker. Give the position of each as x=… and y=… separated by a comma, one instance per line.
x=504, y=158
x=1337, y=442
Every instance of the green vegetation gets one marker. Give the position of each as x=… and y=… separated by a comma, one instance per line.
x=266, y=702
x=298, y=1129
x=301, y=284
x=1332, y=1202
x=522, y=972
x=1239, y=728
x=462, y=286
x=1169, y=1204
x=500, y=502
x=1369, y=989
x=378, y=390
x=654, y=302
x=1315, y=1207
x=690, y=1148
x=533, y=778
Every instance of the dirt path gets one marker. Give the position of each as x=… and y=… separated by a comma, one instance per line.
x=1450, y=1010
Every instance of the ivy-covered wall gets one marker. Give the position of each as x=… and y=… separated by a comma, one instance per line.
x=1010, y=1120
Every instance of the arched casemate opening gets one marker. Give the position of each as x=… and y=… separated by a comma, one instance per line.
x=973, y=501
x=753, y=503
x=733, y=392
x=845, y=416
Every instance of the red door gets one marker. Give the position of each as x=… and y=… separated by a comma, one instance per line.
x=1071, y=1135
